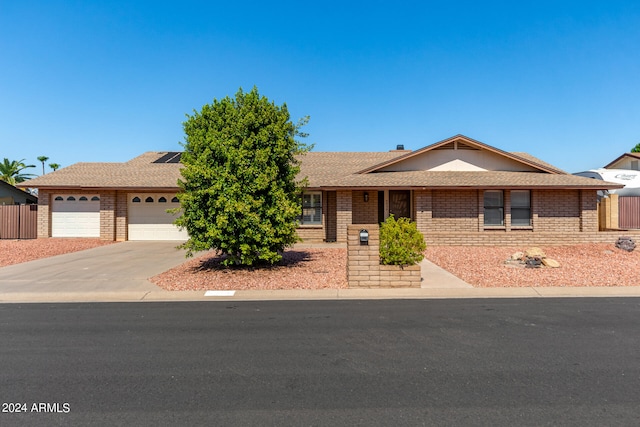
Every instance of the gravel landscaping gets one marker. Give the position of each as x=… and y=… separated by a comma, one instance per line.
x=18, y=251
x=313, y=268
x=580, y=265
x=299, y=269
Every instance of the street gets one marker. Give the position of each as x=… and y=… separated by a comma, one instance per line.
x=385, y=362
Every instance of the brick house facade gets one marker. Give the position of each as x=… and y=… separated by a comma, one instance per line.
x=458, y=191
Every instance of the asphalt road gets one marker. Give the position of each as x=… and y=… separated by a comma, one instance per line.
x=412, y=362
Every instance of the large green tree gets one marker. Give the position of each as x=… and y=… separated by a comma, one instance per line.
x=636, y=149
x=11, y=171
x=239, y=190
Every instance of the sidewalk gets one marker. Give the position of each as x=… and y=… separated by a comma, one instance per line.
x=322, y=294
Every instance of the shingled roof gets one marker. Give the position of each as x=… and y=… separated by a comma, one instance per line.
x=155, y=171
x=140, y=173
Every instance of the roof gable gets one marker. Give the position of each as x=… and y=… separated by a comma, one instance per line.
x=623, y=161
x=461, y=153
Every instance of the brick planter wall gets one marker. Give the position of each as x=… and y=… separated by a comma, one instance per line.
x=363, y=263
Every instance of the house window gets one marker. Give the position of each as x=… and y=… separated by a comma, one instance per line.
x=521, y=208
x=175, y=200
x=148, y=200
x=83, y=199
x=311, y=208
x=493, y=208
x=95, y=199
x=162, y=200
x=136, y=199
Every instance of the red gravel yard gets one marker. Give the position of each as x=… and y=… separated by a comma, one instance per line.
x=581, y=265
x=299, y=269
x=18, y=251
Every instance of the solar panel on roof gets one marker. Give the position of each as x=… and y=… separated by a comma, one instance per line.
x=170, y=157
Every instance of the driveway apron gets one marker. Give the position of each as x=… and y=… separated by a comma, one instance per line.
x=124, y=266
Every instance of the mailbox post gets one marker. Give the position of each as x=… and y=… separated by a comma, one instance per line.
x=364, y=237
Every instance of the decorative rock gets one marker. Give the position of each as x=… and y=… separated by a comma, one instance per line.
x=535, y=253
x=549, y=262
x=625, y=243
x=517, y=256
x=533, y=263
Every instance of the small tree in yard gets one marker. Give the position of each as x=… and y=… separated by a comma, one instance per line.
x=239, y=193
x=400, y=242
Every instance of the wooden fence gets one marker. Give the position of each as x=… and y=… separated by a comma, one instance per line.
x=18, y=221
x=629, y=212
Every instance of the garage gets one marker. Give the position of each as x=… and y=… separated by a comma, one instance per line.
x=149, y=219
x=75, y=215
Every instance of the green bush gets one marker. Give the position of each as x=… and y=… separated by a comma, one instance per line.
x=400, y=242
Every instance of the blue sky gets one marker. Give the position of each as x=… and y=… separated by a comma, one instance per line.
x=106, y=81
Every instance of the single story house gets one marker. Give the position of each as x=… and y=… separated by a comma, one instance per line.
x=10, y=195
x=458, y=191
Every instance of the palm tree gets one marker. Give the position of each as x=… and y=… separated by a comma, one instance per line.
x=54, y=166
x=11, y=172
x=43, y=159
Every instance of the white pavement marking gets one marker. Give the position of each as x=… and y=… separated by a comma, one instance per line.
x=219, y=293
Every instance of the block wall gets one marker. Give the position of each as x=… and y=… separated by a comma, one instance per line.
x=363, y=263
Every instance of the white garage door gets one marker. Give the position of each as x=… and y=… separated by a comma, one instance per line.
x=149, y=219
x=75, y=215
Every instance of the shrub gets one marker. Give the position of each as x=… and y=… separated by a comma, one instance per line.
x=400, y=242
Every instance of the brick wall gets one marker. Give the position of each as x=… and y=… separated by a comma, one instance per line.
x=44, y=214
x=454, y=210
x=519, y=238
x=311, y=233
x=108, y=215
x=423, y=210
x=121, y=224
x=343, y=214
x=557, y=211
x=363, y=263
x=364, y=212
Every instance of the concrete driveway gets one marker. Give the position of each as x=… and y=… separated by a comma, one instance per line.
x=124, y=266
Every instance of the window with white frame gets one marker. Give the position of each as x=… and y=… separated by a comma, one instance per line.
x=311, y=208
x=493, y=208
x=521, y=208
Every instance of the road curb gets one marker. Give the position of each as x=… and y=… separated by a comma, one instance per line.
x=320, y=294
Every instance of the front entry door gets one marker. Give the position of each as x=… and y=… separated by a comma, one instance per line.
x=400, y=203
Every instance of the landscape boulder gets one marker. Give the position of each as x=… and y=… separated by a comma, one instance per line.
x=535, y=253
x=625, y=243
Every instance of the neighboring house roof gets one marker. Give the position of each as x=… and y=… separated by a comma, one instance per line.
x=335, y=170
x=632, y=156
x=8, y=190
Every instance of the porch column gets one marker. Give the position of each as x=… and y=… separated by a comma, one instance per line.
x=344, y=214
